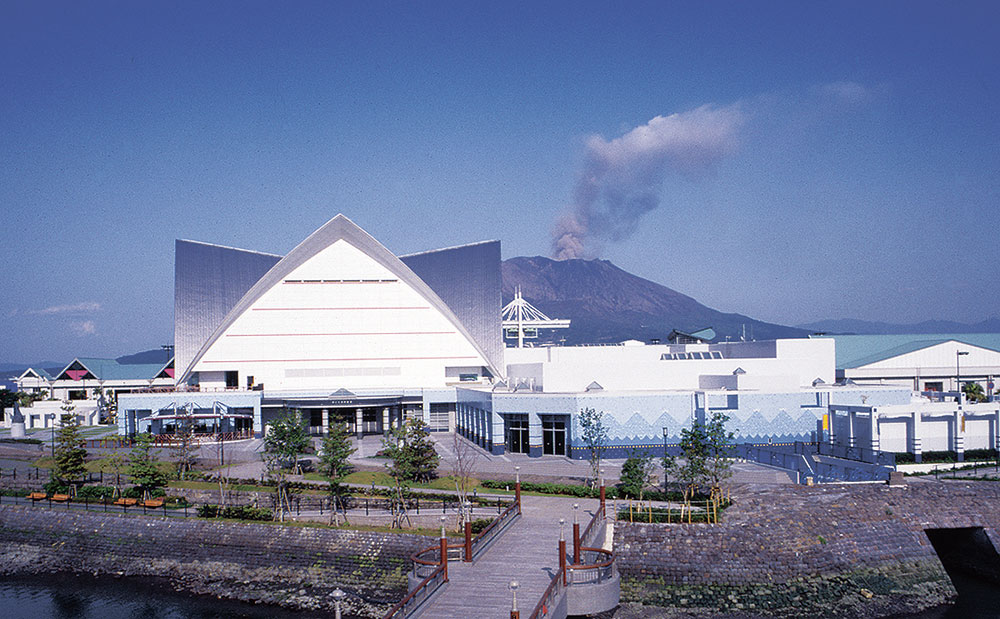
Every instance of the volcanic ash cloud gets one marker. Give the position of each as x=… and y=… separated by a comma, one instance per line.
x=621, y=179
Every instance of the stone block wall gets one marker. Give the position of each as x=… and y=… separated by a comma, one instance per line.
x=292, y=566
x=811, y=545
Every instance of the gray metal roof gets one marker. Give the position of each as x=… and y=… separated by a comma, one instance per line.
x=467, y=278
x=208, y=281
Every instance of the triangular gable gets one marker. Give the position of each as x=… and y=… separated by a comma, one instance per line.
x=76, y=370
x=167, y=371
x=337, y=229
x=42, y=375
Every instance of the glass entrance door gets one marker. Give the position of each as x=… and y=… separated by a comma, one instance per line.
x=370, y=418
x=516, y=428
x=554, y=437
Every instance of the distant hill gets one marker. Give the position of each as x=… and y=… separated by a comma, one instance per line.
x=849, y=326
x=156, y=355
x=607, y=304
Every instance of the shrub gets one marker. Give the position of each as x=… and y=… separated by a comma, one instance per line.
x=135, y=492
x=26, y=441
x=21, y=492
x=236, y=512
x=480, y=524
x=96, y=492
x=56, y=487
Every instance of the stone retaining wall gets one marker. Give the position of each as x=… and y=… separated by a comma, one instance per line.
x=292, y=566
x=796, y=550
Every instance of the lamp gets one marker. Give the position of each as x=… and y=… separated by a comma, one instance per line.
x=337, y=595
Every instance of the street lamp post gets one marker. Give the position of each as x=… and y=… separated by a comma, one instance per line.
x=338, y=595
x=514, y=612
x=958, y=373
x=665, y=458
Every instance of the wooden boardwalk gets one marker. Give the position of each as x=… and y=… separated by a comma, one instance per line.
x=527, y=552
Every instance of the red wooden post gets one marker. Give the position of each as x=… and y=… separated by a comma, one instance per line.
x=517, y=487
x=602, y=491
x=562, y=550
x=468, y=542
x=444, y=549
x=576, y=534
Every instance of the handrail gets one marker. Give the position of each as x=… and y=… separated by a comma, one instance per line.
x=400, y=607
x=545, y=604
x=492, y=529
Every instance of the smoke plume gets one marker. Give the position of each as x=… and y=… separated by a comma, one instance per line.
x=621, y=179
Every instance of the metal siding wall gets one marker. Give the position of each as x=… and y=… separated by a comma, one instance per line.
x=468, y=280
x=208, y=281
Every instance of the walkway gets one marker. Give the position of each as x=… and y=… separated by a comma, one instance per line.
x=527, y=552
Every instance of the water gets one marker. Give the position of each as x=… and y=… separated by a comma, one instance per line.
x=66, y=596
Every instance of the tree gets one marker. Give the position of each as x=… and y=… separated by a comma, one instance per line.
x=669, y=464
x=465, y=461
x=694, y=452
x=284, y=440
x=185, y=448
x=974, y=392
x=7, y=400
x=143, y=469
x=70, y=455
x=719, y=465
x=411, y=451
x=636, y=471
x=411, y=458
x=334, y=465
x=707, y=453
x=595, y=436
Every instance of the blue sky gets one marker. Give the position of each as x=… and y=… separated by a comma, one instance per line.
x=790, y=161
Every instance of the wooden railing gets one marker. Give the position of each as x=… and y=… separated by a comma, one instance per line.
x=492, y=530
x=421, y=592
x=547, y=605
x=597, y=566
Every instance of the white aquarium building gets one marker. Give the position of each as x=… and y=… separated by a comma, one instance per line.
x=346, y=332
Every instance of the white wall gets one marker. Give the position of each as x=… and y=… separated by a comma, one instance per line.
x=315, y=330
x=571, y=368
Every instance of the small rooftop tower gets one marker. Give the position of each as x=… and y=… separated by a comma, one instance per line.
x=522, y=320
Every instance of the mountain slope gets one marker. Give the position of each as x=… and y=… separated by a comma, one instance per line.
x=607, y=304
x=865, y=327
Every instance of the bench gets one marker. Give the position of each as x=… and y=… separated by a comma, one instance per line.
x=126, y=502
x=153, y=503
x=38, y=496
x=62, y=498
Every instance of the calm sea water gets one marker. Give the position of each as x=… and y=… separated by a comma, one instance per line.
x=63, y=596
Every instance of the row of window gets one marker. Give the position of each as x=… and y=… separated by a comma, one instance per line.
x=674, y=356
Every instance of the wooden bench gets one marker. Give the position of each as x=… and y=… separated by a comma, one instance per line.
x=126, y=502
x=38, y=496
x=153, y=503
x=62, y=498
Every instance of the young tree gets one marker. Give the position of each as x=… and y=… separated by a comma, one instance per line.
x=334, y=465
x=465, y=461
x=636, y=471
x=115, y=462
x=411, y=451
x=412, y=458
x=143, y=468
x=669, y=464
x=70, y=455
x=719, y=464
x=694, y=451
x=595, y=436
x=185, y=448
x=286, y=438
